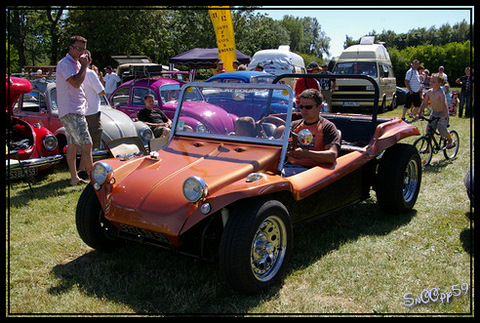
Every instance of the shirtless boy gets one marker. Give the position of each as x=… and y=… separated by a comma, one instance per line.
x=438, y=101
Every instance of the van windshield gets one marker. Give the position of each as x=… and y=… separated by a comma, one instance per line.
x=357, y=68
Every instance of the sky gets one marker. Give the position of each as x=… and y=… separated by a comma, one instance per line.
x=359, y=21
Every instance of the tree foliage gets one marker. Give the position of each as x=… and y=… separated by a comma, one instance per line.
x=39, y=36
x=460, y=32
x=453, y=56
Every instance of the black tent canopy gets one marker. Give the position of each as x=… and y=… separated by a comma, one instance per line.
x=197, y=58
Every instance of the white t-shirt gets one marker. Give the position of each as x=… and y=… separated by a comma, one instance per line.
x=111, y=81
x=414, y=79
x=92, y=86
x=69, y=98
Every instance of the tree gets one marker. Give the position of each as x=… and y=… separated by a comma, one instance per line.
x=453, y=56
x=460, y=32
x=254, y=32
x=54, y=16
x=306, y=35
x=316, y=41
x=122, y=32
x=17, y=33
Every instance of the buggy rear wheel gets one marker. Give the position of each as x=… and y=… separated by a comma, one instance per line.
x=398, y=179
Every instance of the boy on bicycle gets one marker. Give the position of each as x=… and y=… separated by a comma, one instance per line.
x=438, y=101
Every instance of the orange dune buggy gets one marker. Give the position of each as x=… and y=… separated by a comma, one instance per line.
x=221, y=196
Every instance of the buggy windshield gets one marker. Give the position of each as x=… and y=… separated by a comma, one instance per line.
x=260, y=111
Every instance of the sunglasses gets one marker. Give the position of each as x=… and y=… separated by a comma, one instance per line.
x=79, y=48
x=308, y=107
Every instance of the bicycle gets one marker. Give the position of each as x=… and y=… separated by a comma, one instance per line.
x=429, y=144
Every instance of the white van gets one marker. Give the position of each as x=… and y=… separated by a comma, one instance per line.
x=278, y=61
x=367, y=59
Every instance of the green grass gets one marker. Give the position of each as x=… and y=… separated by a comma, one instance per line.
x=359, y=261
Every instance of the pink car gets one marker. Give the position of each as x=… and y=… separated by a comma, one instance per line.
x=197, y=114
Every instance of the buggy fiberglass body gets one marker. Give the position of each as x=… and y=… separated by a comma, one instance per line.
x=221, y=196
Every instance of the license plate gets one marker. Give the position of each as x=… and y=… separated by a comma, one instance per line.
x=351, y=104
x=26, y=172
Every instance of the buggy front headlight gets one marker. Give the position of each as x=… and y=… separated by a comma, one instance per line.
x=100, y=172
x=194, y=189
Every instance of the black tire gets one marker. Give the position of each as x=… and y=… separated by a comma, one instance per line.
x=425, y=150
x=255, y=246
x=393, y=105
x=452, y=153
x=383, y=107
x=91, y=224
x=398, y=179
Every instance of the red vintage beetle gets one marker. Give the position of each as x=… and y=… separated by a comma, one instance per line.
x=29, y=148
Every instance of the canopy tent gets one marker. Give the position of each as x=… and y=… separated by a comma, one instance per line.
x=203, y=58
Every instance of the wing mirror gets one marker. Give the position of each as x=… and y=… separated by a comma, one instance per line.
x=304, y=137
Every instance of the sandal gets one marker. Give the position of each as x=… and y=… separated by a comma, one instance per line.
x=450, y=146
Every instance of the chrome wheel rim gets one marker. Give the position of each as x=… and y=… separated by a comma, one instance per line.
x=269, y=247
x=410, y=181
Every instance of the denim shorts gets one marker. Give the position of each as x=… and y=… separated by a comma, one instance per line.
x=76, y=129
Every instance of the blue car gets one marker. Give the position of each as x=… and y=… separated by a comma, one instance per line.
x=237, y=101
x=243, y=77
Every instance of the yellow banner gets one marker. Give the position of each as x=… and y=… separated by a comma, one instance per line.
x=222, y=23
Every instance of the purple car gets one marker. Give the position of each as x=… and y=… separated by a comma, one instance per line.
x=197, y=114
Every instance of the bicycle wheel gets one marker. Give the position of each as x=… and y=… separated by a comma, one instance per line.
x=424, y=147
x=452, y=152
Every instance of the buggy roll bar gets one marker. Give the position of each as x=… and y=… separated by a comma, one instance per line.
x=340, y=76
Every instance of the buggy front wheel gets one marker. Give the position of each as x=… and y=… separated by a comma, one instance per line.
x=91, y=223
x=255, y=246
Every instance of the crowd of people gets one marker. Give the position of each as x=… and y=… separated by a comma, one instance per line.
x=418, y=82
x=434, y=91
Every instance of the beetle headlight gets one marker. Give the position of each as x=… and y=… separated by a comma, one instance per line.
x=201, y=128
x=146, y=134
x=50, y=142
x=100, y=172
x=194, y=189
